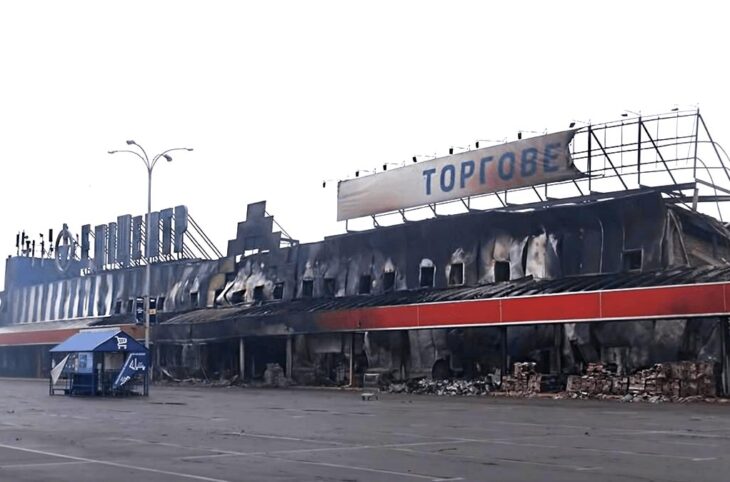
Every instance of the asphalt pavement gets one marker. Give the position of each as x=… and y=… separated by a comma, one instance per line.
x=243, y=434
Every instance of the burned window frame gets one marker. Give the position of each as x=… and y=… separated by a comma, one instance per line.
x=462, y=275
x=307, y=288
x=278, y=293
x=329, y=287
x=497, y=271
x=628, y=259
x=421, y=283
x=389, y=281
x=365, y=284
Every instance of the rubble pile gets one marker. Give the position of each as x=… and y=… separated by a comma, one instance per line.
x=598, y=380
x=524, y=379
x=477, y=386
x=274, y=376
x=663, y=381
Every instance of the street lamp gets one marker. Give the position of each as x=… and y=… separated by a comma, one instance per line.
x=150, y=165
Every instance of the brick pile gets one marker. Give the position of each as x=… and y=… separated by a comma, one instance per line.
x=524, y=379
x=667, y=380
x=598, y=380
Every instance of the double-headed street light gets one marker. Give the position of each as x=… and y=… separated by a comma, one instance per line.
x=150, y=165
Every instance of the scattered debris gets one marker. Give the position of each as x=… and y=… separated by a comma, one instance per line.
x=477, y=386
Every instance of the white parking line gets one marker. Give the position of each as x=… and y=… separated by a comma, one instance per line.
x=112, y=464
x=41, y=464
x=432, y=478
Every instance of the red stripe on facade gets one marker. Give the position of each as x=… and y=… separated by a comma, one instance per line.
x=665, y=301
x=627, y=304
x=637, y=303
x=53, y=337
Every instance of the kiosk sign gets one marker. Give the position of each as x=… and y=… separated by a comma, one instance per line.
x=527, y=162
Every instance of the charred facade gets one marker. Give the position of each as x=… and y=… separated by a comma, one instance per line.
x=271, y=299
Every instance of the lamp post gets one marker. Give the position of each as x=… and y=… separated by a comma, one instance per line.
x=150, y=165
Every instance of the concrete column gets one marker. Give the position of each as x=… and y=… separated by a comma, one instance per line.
x=725, y=361
x=556, y=353
x=289, y=356
x=156, y=347
x=241, y=358
x=352, y=359
x=503, y=348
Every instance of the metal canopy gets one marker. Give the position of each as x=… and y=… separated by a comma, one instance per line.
x=99, y=341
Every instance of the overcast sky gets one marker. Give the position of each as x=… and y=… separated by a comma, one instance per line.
x=276, y=97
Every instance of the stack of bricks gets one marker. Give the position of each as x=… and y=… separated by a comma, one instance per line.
x=524, y=379
x=676, y=380
x=671, y=380
x=598, y=380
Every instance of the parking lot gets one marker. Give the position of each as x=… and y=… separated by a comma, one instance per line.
x=231, y=434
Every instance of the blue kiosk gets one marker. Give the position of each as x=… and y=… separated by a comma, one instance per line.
x=105, y=362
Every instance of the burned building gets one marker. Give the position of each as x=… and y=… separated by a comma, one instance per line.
x=634, y=277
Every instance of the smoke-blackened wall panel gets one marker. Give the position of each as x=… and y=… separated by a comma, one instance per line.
x=100, y=245
x=181, y=227
x=166, y=218
x=124, y=231
x=152, y=235
x=137, y=238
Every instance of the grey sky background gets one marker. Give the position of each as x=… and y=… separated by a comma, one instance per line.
x=276, y=97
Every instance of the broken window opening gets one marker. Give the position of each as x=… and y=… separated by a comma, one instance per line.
x=130, y=305
x=307, y=288
x=238, y=296
x=427, y=276
x=161, y=303
x=258, y=293
x=501, y=271
x=279, y=291
x=194, y=299
x=330, y=287
x=118, y=307
x=389, y=281
x=633, y=260
x=456, y=274
x=365, y=284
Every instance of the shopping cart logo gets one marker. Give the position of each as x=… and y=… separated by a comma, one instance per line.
x=121, y=342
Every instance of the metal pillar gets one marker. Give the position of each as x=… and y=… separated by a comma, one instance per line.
x=556, y=360
x=725, y=362
x=157, y=349
x=352, y=359
x=242, y=358
x=503, y=347
x=289, y=354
